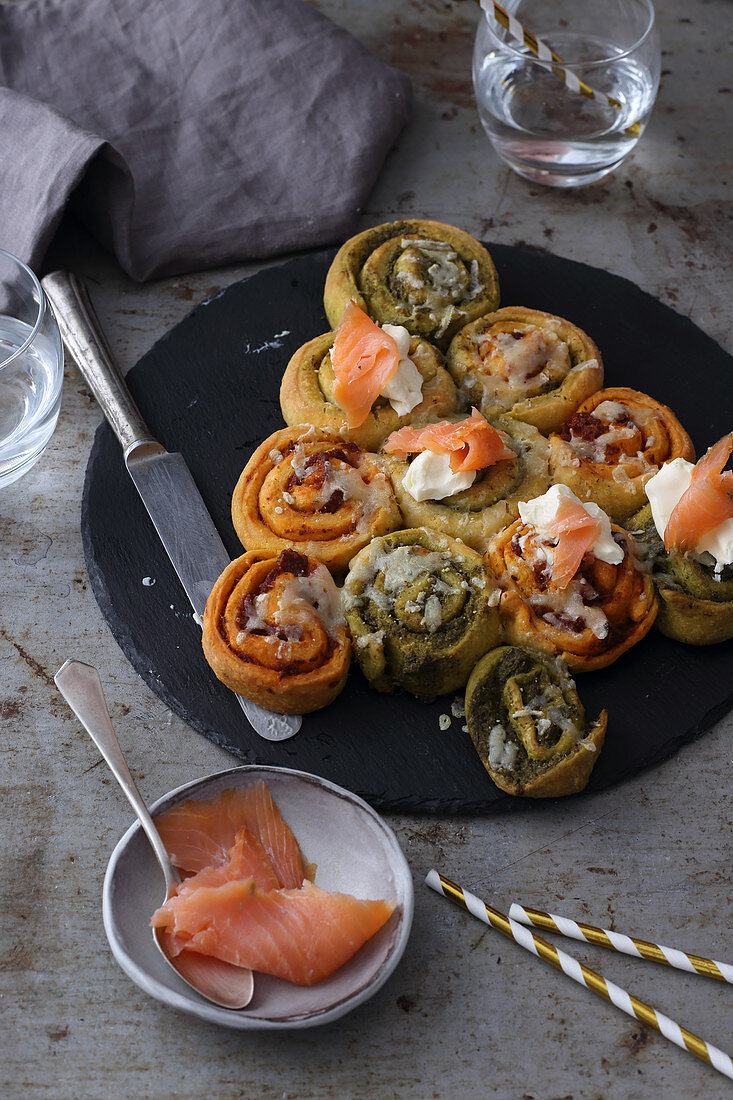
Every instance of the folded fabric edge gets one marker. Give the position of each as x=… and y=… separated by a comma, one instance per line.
x=48, y=156
x=58, y=165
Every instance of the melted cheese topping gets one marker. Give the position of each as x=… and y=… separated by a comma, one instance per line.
x=622, y=427
x=300, y=596
x=527, y=359
x=346, y=479
x=398, y=569
x=446, y=283
x=548, y=712
x=610, y=411
x=502, y=750
x=292, y=604
x=560, y=605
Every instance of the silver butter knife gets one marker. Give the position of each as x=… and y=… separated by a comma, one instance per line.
x=163, y=480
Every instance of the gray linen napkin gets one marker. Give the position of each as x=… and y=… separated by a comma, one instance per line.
x=191, y=132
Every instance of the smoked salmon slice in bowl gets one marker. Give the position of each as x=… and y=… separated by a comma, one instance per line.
x=344, y=843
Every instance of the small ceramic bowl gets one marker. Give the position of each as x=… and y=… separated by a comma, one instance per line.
x=355, y=852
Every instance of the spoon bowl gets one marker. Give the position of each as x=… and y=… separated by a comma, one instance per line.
x=355, y=852
x=221, y=983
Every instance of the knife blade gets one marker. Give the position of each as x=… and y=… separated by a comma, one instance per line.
x=179, y=515
x=162, y=478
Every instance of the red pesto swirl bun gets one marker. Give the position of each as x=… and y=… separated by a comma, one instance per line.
x=274, y=632
x=618, y=439
x=308, y=489
x=603, y=610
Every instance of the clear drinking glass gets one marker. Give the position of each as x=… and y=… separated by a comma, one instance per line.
x=31, y=369
x=541, y=128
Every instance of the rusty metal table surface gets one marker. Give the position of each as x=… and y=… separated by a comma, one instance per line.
x=466, y=1013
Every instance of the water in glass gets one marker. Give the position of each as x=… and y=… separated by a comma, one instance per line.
x=546, y=130
x=538, y=124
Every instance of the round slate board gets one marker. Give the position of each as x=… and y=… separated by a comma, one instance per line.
x=209, y=389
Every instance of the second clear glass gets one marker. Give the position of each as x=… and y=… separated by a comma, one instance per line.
x=31, y=369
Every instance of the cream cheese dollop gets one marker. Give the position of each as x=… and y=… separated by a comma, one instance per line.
x=404, y=389
x=429, y=477
x=541, y=513
x=664, y=491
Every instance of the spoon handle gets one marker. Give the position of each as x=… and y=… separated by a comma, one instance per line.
x=81, y=686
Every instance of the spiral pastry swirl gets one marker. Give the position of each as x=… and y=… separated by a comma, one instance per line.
x=528, y=724
x=420, y=611
x=274, y=632
x=607, y=450
x=430, y=277
x=477, y=513
x=525, y=364
x=602, y=612
x=315, y=492
x=695, y=601
x=306, y=394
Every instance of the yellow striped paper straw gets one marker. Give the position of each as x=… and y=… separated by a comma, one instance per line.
x=551, y=60
x=582, y=974
x=629, y=945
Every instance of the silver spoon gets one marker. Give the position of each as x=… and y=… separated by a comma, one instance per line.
x=220, y=982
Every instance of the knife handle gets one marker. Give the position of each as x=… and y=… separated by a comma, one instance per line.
x=82, y=334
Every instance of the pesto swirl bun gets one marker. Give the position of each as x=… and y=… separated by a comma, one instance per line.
x=477, y=513
x=528, y=724
x=430, y=277
x=695, y=601
x=307, y=397
x=420, y=611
